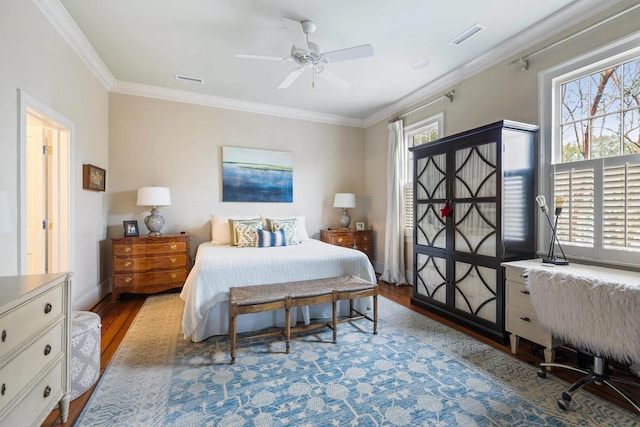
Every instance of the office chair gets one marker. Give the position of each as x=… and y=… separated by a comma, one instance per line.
x=576, y=303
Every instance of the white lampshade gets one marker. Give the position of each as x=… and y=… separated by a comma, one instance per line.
x=154, y=196
x=5, y=214
x=344, y=200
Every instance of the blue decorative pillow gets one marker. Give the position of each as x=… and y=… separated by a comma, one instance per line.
x=267, y=238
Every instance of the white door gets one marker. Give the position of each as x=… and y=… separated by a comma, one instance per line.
x=46, y=194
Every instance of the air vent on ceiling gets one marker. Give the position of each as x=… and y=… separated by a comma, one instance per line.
x=467, y=34
x=189, y=79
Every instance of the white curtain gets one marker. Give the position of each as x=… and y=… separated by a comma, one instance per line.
x=394, y=266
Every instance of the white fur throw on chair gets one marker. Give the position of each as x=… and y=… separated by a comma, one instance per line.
x=592, y=308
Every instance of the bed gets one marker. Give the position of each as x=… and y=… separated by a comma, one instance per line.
x=218, y=267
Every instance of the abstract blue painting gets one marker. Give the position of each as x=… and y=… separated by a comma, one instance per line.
x=252, y=175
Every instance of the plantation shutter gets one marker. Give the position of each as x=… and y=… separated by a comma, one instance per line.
x=576, y=222
x=408, y=205
x=621, y=216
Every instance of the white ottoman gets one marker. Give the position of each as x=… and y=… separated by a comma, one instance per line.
x=85, y=351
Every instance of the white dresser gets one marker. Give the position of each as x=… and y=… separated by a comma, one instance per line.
x=35, y=348
x=520, y=316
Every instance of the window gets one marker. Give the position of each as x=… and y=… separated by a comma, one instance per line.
x=423, y=132
x=593, y=147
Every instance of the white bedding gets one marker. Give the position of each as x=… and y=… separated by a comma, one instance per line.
x=220, y=267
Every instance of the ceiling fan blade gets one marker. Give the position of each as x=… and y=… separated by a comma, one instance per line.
x=346, y=54
x=261, y=57
x=291, y=78
x=294, y=28
x=335, y=79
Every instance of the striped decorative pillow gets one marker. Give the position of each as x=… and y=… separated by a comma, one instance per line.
x=267, y=238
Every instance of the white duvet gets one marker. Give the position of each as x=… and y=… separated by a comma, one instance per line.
x=220, y=267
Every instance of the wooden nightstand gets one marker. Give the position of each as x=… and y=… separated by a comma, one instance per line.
x=144, y=265
x=361, y=240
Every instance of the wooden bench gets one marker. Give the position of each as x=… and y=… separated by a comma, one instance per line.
x=277, y=296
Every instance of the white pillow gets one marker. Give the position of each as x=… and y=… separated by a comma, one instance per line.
x=301, y=229
x=220, y=231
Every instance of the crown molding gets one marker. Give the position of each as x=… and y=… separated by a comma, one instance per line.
x=571, y=15
x=148, y=91
x=560, y=21
x=58, y=16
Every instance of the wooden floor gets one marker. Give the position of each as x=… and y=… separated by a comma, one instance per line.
x=116, y=319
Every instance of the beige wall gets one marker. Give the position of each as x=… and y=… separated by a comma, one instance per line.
x=177, y=145
x=37, y=60
x=500, y=92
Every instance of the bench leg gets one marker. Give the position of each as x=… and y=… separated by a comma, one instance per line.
x=287, y=323
x=233, y=308
x=334, y=319
x=375, y=310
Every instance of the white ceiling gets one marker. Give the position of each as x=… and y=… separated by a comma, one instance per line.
x=142, y=44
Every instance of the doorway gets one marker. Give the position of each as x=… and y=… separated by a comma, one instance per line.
x=45, y=189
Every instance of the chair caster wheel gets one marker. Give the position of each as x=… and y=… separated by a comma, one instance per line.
x=566, y=396
x=542, y=373
x=562, y=404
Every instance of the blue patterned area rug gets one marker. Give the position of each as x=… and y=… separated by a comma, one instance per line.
x=415, y=372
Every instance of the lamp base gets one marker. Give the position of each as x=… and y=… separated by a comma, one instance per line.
x=555, y=261
x=345, y=219
x=154, y=222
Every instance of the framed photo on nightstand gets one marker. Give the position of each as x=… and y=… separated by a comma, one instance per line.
x=130, y=228
x=360, y=225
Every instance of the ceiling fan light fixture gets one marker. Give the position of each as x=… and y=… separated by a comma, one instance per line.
x=467, y=34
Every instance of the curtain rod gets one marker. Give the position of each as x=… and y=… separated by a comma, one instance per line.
x=449, y=95
x=523, y=61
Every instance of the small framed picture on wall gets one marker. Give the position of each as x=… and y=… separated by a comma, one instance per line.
x=359, y=225
x=131, y=228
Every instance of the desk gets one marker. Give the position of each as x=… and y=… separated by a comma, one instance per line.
x=592, y=307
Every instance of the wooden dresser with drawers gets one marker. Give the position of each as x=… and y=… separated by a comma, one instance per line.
x=361, y=240
x=149, y=264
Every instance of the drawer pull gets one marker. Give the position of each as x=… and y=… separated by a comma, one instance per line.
x=127, y=279
x=174, y=275
x=173, y=247
x=524, y=292
x=526, y=319
x=47, y=391
x=47, y=350
x=173, y=259
x=127, y=249
x=47, y=308
x=525, y=275
x=339, y=239
x=4, y=389
x=4, y=335
x=128, y=264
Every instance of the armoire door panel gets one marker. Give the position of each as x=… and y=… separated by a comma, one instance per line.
x=476, y=171
x=431, y=177
x=476, y=290
x=430, y=226
x=475, y=230
x=431, y=277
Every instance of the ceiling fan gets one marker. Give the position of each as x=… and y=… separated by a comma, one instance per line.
x=308, y=55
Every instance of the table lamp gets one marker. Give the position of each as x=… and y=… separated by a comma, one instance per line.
x=551, y=257
x=154, y=196
x=344, y=201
